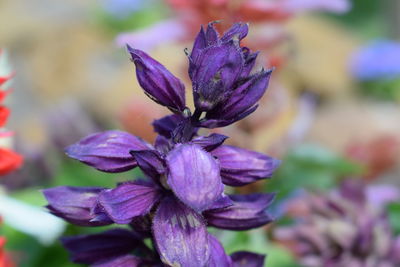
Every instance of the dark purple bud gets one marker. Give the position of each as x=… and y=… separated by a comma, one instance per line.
x=216, y=70
x=247, y=259
x=247, y=212
x=157, y=82
x=194, y=176
x=75, y=204
x=129, y=200
x=181, y=235
x=218, y=256
x=242, y=102
x=241, y=166
x=97, y=248
x=107, y=151
x=123, y=261
x=166, y=125
x=150, y=162
x=236, y=33
x=210, y=142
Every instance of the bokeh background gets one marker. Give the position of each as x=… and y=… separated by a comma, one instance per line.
x=332, y=111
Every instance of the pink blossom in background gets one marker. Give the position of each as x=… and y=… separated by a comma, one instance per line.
x=159, y=33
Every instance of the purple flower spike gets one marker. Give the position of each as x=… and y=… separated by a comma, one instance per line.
x=123, y=261
x=241, y=166
x=210, y=142
x=194, y=176
x=107, y=151
x=247, y=259
x=181, y=235
x=157, y=82
x=74, y=204
x=128, y=201
x=97, y=248
x=247, y=212
x=218, y=256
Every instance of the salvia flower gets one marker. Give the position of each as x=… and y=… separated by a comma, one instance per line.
x=186, y=173
x=347, y=227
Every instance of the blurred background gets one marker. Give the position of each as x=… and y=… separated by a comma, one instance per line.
x=331, y=113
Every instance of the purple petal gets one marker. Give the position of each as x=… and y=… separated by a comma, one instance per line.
x=181, y=235
x=244, y=97
x=218, y=256
x=210, y=142
x=211, y=34
x=89, y=249
x=215, y=123
x=223, y=202
x=241, y=166
x=212, y=82
x=237, y=32
x=123, y=261
x=247, y=259
x=163, y=144
x=194, y=176
x=107, y=151
x=249, y=61
x=157, y=82
x=247, y=212
x=129, y=200
x=74, y=204
x=150, y=162
x=166, y=125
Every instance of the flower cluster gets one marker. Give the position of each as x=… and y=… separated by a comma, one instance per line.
x=186, y=172
x=345, y=228
x=9, y=160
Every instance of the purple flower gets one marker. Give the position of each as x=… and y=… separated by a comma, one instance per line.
x=187, y=173
x=378, y=60
x=343, y=228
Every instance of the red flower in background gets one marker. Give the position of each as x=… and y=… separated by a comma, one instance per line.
x=5, y=261
x=9, y=160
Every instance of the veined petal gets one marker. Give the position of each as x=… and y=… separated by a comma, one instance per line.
x=210, y=142
x=123, y=261
x=247, y=259
x=218, y=256
x=107, y=151
x=129, y=200
x=194, y=176
x=157, y=82
x=74, y=204
x=91, y=249
x=247, y=212
x=181, y=235
x=241, y=166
